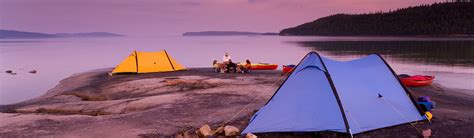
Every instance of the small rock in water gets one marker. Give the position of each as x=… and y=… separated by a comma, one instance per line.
x=33, y=71
x=231, y=131
x=13, y=73
x=9, y=71
x=205, y=130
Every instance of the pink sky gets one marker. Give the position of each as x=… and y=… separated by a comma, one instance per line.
x=173, y=17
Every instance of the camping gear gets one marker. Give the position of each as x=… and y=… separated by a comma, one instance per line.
x=347, y=97
x=148, y=62
x=429, y=115
x=264, y=66
x=288, y=68
x=425, y=103
x=416, y=80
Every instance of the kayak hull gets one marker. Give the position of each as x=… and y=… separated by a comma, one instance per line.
x=288, y=68
x=417, y=80
x=264, y=66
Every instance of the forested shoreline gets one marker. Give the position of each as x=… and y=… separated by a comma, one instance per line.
x=453, y=18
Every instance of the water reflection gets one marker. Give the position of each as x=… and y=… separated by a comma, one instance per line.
x=56, y=59
x=457, y=53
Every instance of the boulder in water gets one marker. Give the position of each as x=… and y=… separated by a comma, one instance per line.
x=33, y=71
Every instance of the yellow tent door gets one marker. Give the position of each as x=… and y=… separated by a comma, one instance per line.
x=147, y=62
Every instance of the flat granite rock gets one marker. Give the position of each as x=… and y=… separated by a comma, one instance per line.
x=92, y=104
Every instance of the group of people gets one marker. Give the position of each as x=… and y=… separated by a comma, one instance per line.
x=228, y=66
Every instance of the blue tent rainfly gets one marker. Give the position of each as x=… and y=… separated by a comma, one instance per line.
x=348, y=97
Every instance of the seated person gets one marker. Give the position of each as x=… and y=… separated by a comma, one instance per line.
x=231, y=66
x=240, y=68
x=215, y=66
x=218, y=67
x=244, y=68
x=248, y=66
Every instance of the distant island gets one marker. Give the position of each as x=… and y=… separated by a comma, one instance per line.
x=224, y=33
x=90, y=34
x=454, y=18
x=13, y=34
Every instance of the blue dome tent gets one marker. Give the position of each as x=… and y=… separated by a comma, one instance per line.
x=347, y=97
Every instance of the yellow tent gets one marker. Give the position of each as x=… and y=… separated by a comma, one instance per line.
x=147, y=62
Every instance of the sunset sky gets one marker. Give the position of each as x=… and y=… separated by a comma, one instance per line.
x=173, y=17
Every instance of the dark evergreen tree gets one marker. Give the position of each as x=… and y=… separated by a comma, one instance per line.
x=454, y=18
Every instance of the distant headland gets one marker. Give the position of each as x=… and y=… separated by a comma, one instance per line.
x=13, y=34
x=453, y=18
x=224, y=33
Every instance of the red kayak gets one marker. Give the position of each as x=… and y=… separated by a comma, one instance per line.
x=288, y=68
x=264, y=66
x=416, y=80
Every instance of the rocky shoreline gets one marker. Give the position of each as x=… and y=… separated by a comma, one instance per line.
x=168, y=104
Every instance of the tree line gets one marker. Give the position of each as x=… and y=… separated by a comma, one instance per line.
x=451, y=18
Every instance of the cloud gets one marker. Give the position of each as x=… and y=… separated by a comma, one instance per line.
x=150, y=17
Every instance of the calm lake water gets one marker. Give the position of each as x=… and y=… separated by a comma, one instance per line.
x=451, y=60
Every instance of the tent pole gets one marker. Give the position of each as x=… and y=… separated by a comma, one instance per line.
x=333, y=87
x=169, y=59
x=350, y=132
x=289, y=75
x=410, y=96
x=136, y=59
